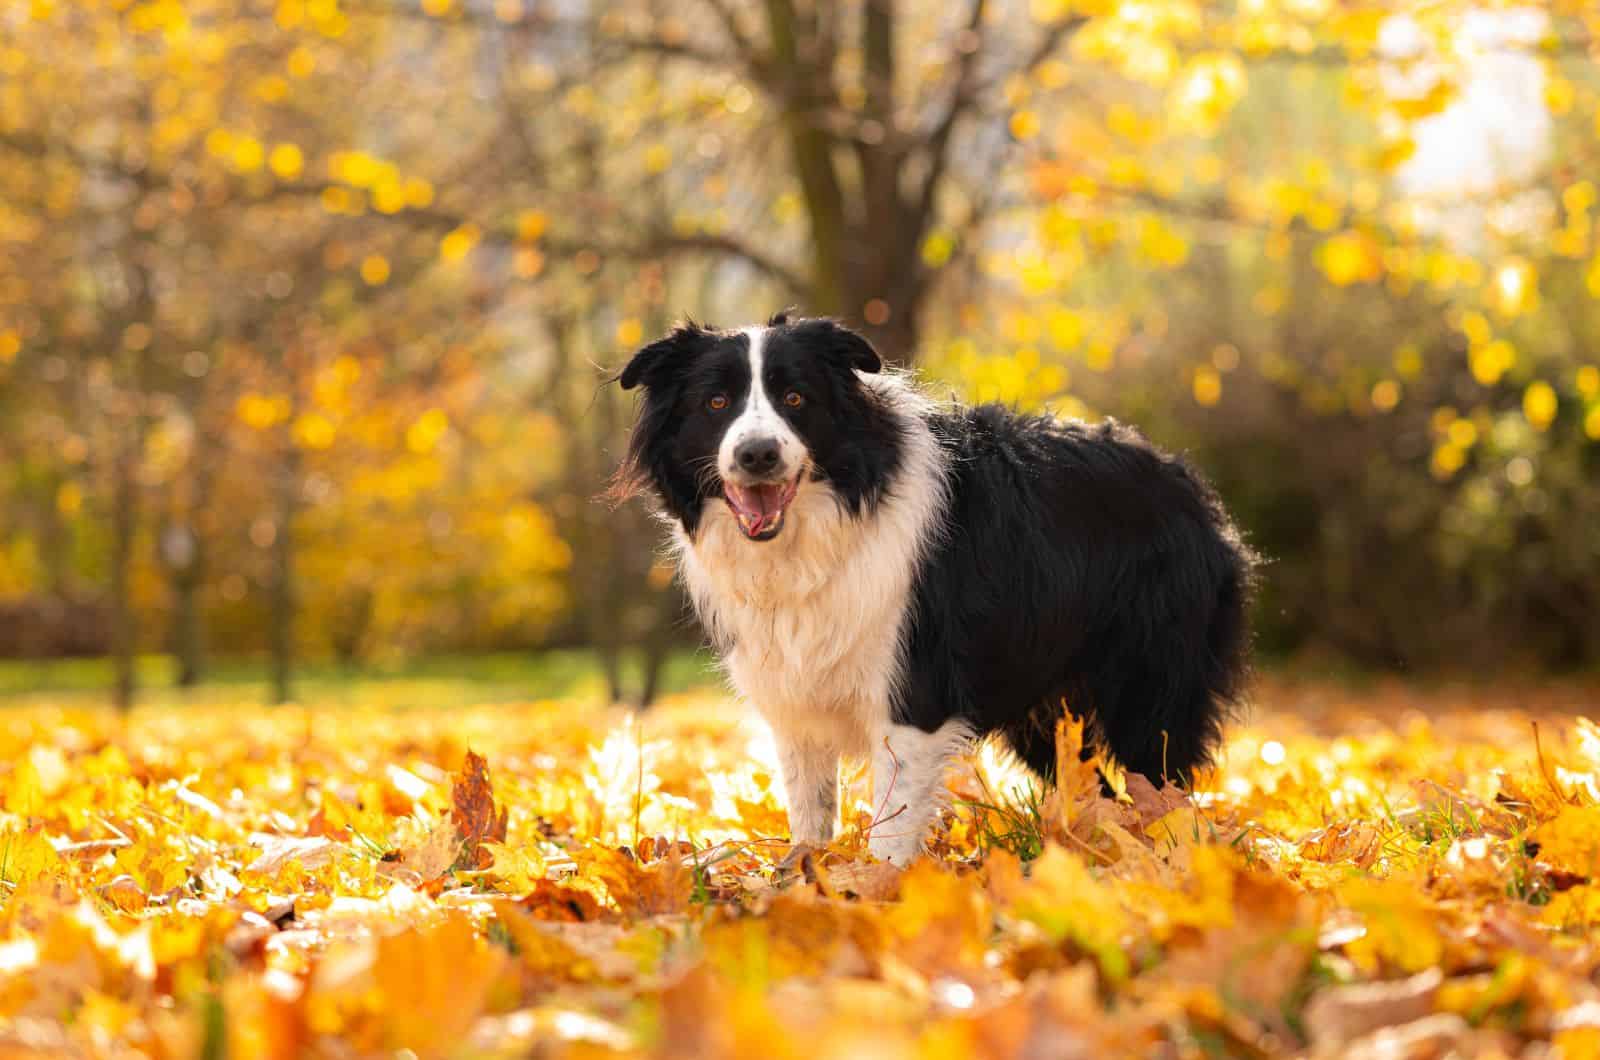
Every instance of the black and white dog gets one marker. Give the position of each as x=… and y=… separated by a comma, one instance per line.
x=887, y=577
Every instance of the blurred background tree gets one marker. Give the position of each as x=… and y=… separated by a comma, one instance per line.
x=305, y=305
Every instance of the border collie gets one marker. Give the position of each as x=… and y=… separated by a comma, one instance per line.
x=887, y=577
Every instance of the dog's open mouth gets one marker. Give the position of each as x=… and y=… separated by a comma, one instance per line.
x=759, y=509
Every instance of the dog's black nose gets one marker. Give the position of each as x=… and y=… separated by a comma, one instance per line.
x=758, y=456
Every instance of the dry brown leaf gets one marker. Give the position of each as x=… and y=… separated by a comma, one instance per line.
x=1151, y=803
x=639, y=890
x=278, y=851
x=433, y=854
x=1425, y=1039
x=1337, y=1014
x=477, y=819
x=872, y=881
x=1358, y=842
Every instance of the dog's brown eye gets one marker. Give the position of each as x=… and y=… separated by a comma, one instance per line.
x=793, y=399
x=717, y=403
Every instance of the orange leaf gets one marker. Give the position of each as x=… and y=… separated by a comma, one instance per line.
x=477, y=819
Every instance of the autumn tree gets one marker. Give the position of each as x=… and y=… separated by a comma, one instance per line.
x=305, y=308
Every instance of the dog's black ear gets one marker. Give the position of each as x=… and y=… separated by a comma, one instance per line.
x=862, y=357
x=649, y=365
x=837, y=341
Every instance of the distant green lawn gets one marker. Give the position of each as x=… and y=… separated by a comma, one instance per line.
x=444, y=681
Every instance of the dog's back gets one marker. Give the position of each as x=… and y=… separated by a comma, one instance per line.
x=1081, y=566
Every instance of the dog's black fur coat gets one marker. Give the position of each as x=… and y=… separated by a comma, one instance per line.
x=1081, y=566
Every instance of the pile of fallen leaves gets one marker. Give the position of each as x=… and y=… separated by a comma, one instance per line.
x=1355, y=878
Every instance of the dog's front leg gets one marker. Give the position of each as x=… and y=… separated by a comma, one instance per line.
x=908, y=767
x=811, y=783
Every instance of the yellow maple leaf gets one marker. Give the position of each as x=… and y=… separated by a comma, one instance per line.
x=1401, y=928
x=1077, y=776
x=637, y=890
x=155, y=866
x=433, y=982
x=1063, y=898
x=519, y=868
x=1571, y=842
x=26, y=856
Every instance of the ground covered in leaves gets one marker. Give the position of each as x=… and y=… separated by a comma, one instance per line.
x=1396, y=874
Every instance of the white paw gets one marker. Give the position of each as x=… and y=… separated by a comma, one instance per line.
x=898, y=850
x=797, y=854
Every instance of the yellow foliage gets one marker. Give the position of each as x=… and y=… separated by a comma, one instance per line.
x=1492, y=360
x=458, y=243
x=1539, y=404
x=247, y=154
x=25, y=856
x=375, y=270
x=1207, y=89
x=630, y=332
x=388, y=197
x=1063, y=899
x=566, y=880
x=1350, y=257
x=1587, y=380
x=286, y=161
x=312, y=430
x=432, y=983
x=262, y=411
x=425, y=432
x=1571, y=842
x=531, y=224
x=1447, y=459
x=1577, y=908
x=1400, y=925
x=155, y=867
x=1516, y=287
x=1024, y=124
x=418, y=192
x=69, y=499
x=1385, y=395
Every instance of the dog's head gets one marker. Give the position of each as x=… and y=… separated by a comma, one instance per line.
x=749, y=418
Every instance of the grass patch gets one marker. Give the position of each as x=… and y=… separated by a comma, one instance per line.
x=435, y=681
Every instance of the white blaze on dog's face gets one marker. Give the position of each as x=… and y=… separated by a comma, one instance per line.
x=744, y=418
x=761, y=458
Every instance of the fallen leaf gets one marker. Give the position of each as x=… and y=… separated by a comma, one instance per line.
x=872, y=881
x=477, y=819
x=1337, y=1014
x=278, y=851
x=1423, y=1039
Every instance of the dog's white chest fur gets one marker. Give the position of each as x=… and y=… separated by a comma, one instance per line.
x=810, y=625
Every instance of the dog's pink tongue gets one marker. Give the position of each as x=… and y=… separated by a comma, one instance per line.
x=758, y=507
x=765, y=501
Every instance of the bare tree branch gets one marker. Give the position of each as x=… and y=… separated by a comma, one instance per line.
x=969, y=44
x=755, y=56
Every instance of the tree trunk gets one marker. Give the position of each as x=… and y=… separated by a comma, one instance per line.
x=124, y=522
x=182, y=554
x=810, y=145
x=657, y=650
x=188, y=641
x=865, y=235
x=283, y=590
